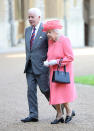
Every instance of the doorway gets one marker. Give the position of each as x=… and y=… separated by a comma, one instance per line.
x=86, y=5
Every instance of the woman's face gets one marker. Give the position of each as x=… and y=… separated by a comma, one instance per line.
x=52, y=35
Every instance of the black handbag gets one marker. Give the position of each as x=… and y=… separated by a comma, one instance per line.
x=61, y=76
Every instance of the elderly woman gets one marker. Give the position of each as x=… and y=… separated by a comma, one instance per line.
x=59, y=47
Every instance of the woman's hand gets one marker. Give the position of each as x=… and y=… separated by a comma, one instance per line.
x=46, y=63
x=50, y=63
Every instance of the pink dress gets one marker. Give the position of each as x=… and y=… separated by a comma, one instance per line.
x=61, y=93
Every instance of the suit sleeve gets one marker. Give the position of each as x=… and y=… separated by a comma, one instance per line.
x=68, y=53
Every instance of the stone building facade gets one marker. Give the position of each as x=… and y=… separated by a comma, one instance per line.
x=4, y=26
x=77, y=17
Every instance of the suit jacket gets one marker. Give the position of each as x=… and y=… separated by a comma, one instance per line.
x=38, y=52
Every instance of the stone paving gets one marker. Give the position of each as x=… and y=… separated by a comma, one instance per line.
x=13, y=100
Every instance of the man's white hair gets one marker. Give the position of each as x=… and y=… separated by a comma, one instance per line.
x=36, y=11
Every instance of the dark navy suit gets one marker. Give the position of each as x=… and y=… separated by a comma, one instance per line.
x=36, y=72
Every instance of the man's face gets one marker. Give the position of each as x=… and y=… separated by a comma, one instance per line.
x=33, y=19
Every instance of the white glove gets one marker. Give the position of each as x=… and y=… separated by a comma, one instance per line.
x=52, y=62
x=46, y=63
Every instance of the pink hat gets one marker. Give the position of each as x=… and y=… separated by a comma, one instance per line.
x=52, y=24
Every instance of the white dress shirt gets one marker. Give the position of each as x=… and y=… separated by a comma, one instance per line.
x=36, y=30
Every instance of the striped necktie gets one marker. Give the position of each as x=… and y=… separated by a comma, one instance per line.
x=32, y=37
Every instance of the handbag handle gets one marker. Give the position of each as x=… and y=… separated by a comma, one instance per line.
x=59, y=65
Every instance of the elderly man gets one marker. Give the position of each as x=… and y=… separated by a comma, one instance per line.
x=36, y=44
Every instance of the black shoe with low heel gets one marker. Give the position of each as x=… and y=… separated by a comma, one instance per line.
x=73, y=113
x=69, y=118
x=57, y=121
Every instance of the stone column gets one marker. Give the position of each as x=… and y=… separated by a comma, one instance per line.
x=40, y=4
x=12, y=26
x=33, y=4
x=4, y=25
x=91, y=23
x=76, y=23
x=54, y=9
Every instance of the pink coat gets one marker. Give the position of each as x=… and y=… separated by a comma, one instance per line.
x=61, y=93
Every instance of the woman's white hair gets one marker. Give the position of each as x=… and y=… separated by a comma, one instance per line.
x=58, y=31
x=36, y=11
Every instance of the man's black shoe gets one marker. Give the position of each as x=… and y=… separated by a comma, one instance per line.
x=29, y=119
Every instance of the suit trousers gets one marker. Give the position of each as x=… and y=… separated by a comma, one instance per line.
x=33, y=80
